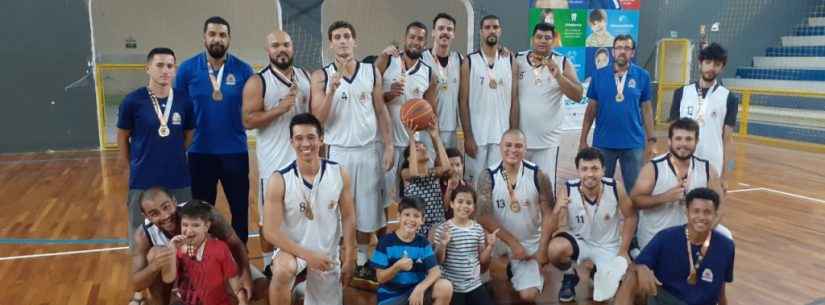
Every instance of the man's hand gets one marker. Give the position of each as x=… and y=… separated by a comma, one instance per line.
x=160, y=257
x=417, y=295
x=405, y=264
x=648, y=283
x=390, y=50
x=541, y=257
x=396, y=89
x=650, y=151
x=583, y=142
x=555, y=71
x=318, y=261
x=288, y=101
x=519, y=253
x=389, y=153
x=336, y=82
x=470, y=147
x=676, y=193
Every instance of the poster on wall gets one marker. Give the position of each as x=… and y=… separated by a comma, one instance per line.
x=585, y=30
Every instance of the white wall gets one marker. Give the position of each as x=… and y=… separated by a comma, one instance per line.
x=378, y=22
x=179, y=25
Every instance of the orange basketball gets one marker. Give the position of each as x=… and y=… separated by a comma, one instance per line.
x=417, y=113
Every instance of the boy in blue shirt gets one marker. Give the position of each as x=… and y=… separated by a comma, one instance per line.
x=683, y=265
x=406, y=265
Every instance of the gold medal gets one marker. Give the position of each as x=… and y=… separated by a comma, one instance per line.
x=619, y=97
x=163, y=131
x=217, y=95
x=514, y=205
x=692, y=277
x=493, y=84
x=308, y=211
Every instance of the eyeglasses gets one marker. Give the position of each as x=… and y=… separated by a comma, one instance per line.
x=623, y=48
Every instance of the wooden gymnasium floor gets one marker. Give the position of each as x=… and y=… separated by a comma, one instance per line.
x=62, y=238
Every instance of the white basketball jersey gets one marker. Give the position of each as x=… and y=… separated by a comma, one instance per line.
x=666, y=215
x=525, y=222
x=715, y=108
x=598, y=223
x=417, y=81
x=323, y=232
x=448, y=81
x=273, y=149
x=352, y=121
x=155, y=235
x=541, y=105
x=489, y=107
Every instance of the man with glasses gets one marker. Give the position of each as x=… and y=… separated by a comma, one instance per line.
x=620, y=104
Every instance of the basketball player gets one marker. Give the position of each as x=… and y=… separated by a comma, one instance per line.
x=348, y=99
x=151, y=252
x=407, y=77
x=309, y=207
x=447, y=65
x=620, y=105
x=271, y=98
x=487, y=104
x=713, y=106
x=155, y=126
x=598, y=233
x=659, y=193
x=544, y=77
x=516, y=198
x=689, y=264
x=215, y=80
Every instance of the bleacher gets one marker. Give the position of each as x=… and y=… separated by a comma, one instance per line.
x=788, y=100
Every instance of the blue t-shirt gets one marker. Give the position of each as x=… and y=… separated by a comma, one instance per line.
x=619, y=125
x=666, y=255
x=390, y=249
x=153, y=160
x=220, y=129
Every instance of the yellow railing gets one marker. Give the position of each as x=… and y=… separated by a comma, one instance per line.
x=100, y=69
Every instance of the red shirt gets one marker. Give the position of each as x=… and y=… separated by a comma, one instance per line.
x=205, y=282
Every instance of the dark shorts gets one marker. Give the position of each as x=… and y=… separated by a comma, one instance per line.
x=478, y=296
x=664, y=298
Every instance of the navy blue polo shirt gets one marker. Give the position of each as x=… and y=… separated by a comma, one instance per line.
x=666, y=255
x=220, y=130
x=153, y=160
x=619, y=125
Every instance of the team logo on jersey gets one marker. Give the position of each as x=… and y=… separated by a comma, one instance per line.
x=713, y=114
x=417, y=92
x=230, y=79
x=707, y=275
x=344, y=95
x=690, y=111
x=631, y=83
x=176, y=118
x=363, y=97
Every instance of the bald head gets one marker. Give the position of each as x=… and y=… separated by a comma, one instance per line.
x=280, y=50
x=513, y=146
x=514, y=132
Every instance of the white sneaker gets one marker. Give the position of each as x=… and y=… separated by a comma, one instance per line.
x=607, y=278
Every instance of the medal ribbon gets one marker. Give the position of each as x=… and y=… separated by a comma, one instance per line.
x=164, y=116
x=620, y=80
x=700, y=108
x=703, y=251
x=313, y=193
x=490, y=69
x=215, y=80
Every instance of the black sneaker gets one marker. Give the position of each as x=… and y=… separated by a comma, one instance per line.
x=567, y=293
x=268, y=271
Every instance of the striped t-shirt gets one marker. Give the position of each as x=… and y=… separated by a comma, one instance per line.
x=391, y=249
x=461, y=263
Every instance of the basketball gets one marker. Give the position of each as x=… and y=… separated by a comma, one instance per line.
x=417, y=114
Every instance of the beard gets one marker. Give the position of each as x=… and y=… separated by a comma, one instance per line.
x=216, y=50
x=708, y=79
x=283, y=65
x=621, y=61
x=683, y=158
x=491, y=40
x=413, y=53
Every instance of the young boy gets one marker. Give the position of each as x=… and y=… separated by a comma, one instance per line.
x=203, y=265
x=457, y=179
x=405, y=264
x=461, y=250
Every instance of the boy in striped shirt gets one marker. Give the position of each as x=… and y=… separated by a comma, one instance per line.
x=405, y=264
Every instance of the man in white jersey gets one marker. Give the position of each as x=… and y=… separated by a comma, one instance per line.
x=515, y=197
x=270, y=99
x=544, y=77
x=713, y=106
x=406, y=77
x=659, y=193
x=309, y=207
x=600, y=223
x=487, y=106
x=447, y=66
x=347, y=98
